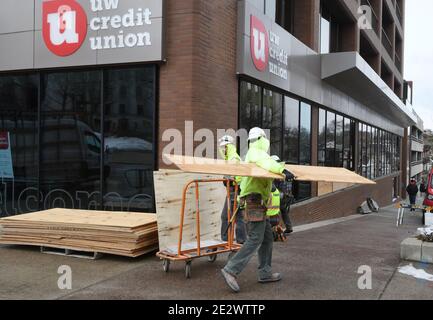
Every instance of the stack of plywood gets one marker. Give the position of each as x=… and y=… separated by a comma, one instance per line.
x=118, y=233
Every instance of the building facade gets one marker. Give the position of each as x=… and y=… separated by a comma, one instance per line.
x=428, y=150
x=417, y=171
x=86, y=114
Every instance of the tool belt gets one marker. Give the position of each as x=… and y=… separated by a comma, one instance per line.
x=255, y=210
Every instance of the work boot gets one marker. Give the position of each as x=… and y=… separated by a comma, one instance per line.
x=288, y=230
x=274, y=278
x=231, y=281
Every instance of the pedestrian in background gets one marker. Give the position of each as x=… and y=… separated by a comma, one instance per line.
x=412, y=191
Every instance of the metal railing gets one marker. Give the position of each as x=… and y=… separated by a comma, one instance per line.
x=398, y=62
x=386, y=42
x=399, y=12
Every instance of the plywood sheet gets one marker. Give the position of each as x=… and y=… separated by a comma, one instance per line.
x=220, y=167
x=302, y=173
x=119, y=233
x=87, y=218
x=324, y=188
x=326, y=174
x=169, y=186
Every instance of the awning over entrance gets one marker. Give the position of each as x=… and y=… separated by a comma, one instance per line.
x=350, y=73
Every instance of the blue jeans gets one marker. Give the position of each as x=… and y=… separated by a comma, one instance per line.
x=241, y=233
x=412, y=199
x=259, y=238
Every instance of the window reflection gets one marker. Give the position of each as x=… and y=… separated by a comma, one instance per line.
x=19, y=119
x=273, y=118
x=128, y=132
x=379, y=152
x=336, y=140
x=75, y=162
x=305, y=134
x=291, y=130
x=70, y=136
x=322, y=137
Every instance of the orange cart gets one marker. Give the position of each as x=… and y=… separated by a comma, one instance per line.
x=202, y=249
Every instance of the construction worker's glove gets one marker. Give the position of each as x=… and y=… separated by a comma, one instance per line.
x=278, y=234
x=230, y=181
x=289, y=176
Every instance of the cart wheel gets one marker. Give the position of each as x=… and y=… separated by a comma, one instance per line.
x=166, y=265
x=188, y=269
x=212, y=258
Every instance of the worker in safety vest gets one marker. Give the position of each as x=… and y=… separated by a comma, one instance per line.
x=255, y=193
x=228, y=152
x=284, y=189
x=274, y=214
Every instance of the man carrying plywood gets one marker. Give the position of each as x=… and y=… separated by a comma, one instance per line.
x=229, y=153
x=255, y=194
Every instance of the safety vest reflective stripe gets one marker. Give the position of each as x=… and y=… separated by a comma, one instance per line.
x=274, y=206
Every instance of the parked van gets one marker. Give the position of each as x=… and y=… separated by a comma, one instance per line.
x=428, y=201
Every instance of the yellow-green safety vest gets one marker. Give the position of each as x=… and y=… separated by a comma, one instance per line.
x=274, y=207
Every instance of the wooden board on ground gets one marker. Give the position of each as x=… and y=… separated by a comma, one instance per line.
x=169, y=186
x=242, y=169
x=68, y=217
x=118, y=233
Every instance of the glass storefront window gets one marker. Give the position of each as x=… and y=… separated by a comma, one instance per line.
x=339, y=141
x=128, y=139
x=305, y=134
x=78, y=153
x=336, y=140
x=273, y=119
x=330, y=139
x=291, y=130
x=348, y=145
x=70, y=136
x=379, y=152
x=250, y=106
x=322, y=137
x=19, y=125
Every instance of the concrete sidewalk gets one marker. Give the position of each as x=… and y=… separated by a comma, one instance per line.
x=319, y=261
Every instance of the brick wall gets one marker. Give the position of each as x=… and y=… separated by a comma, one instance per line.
x=343, y=203
x=199, y=82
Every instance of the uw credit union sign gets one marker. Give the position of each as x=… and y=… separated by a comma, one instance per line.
x=65, y=25
x=263, y=47
x=91, y=32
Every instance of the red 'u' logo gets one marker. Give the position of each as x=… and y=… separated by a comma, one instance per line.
x=64, y=26
x=259, y=44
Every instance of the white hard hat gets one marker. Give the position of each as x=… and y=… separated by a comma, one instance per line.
x=226, y=140
x=276, y=158
x=256, y=133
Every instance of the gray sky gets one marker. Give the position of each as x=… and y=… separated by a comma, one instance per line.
x=419, y=56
